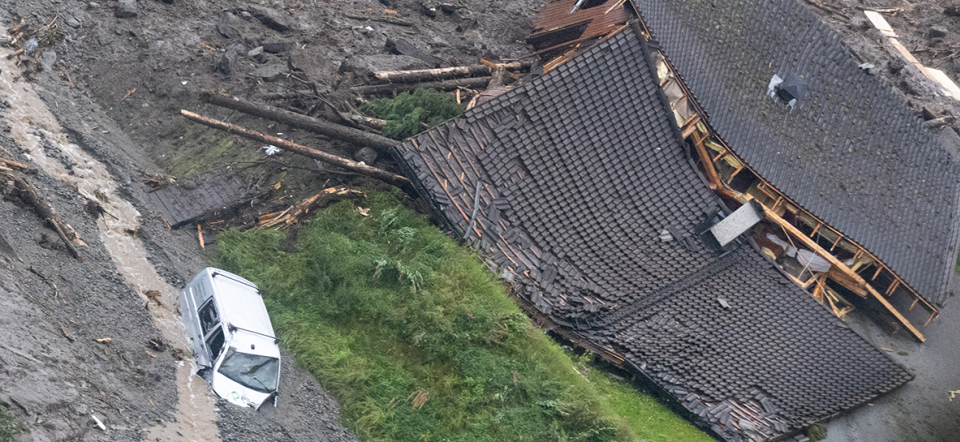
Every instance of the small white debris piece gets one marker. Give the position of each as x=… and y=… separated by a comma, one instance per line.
x=319, y=164
x=723, y=303
x=99, y=423
x=184, y=82
x=271, y=149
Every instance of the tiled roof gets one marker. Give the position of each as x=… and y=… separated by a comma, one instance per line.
x=851, y=151
x=580, y=171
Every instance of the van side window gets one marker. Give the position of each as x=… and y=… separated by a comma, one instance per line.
x=208, y=317
x=215, y=343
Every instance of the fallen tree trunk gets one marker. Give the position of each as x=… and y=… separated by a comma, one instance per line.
x=335, y=160
x=448, y=85
x=45, y=210
x=422, y=75
x=338, y=132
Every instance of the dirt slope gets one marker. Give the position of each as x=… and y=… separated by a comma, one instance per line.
x=114, y=76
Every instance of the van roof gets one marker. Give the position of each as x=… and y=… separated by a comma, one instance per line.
x=240, y=303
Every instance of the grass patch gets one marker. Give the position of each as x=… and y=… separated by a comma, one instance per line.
x=406, y=113
x=418, y=342
x=8, y=426
x=201, y=149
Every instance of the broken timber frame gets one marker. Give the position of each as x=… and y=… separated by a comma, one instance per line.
x=697, y=131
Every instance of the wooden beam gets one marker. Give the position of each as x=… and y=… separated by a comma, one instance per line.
x=690, y=126
x=712, y=177
x=815, y=229
x=906, y=323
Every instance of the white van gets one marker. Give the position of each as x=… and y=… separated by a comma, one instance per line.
x=232, y=337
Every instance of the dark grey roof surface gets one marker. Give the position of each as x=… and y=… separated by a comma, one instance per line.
x=580, y=171
x=851, y=151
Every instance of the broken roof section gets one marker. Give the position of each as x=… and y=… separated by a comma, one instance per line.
x=850, y=151
x=579, y=173
x=564, y=25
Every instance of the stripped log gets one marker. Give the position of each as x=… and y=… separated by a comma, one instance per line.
x=448, y=85
x=13, y=164
x=335, y=160
x=423, y=75
x=30, y=196
x=338, y=132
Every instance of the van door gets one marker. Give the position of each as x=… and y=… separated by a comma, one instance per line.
x=212, y=332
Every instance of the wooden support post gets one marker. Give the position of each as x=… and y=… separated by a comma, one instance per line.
x=933, y=314
x=690, y=126
x=892, y=288
x=735, y=172
x=839, y=237
x=815, y=229
x=877, y=273
x=913, y=303
x=906, y=323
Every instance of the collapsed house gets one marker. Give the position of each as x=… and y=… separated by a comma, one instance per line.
x=578, y=185
x=861, y=197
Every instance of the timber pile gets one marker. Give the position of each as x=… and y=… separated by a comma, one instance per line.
x=293, y=214
x=14, y=185
x=478, y=76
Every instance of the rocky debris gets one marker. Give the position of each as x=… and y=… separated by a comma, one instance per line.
x=226, y=62
x=429, y=9
x=270, y=18
x=270, y=72
x=952, y=11
x=125, y=9
x=400, y=46
x=228, y=26
x=937, y=32
x=257, y=54
x=278, y=47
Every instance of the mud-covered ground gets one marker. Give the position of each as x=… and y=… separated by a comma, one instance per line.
x=929, y=29
x=114, y=80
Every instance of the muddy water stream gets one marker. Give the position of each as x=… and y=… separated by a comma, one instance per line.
x=37, y=132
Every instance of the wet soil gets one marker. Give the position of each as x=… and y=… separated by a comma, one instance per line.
x=929, y=29
x=99, y=104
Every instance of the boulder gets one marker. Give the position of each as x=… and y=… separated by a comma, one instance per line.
x=125, y=9
x=278, y=47
x=228, y=26
x=270, y=18
x=400, y=46
x=937, y=32
x=366, y=155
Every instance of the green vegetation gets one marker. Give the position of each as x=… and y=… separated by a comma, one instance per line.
x=201, y=149
x=8, y=426
x=817, y=432
x=406, y=113
x=418, y=341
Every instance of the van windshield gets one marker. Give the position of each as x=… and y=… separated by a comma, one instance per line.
x=260, y=373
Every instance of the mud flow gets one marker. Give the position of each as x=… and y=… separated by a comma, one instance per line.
x=39, y=134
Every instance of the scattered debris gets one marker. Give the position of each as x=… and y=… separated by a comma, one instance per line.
x=294, y=214
x=153, y=295
x=65, y=334
x=99, y=423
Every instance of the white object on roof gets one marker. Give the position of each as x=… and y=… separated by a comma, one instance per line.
x=738, y=222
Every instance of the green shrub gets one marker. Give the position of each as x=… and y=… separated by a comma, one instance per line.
x=817, y=432
x=415, y=337
x=406, y=113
